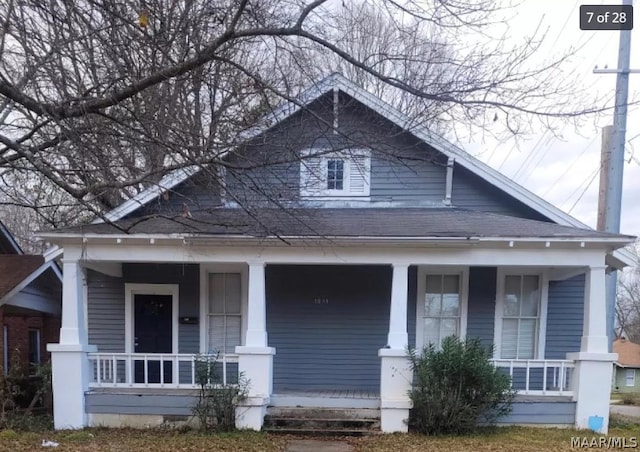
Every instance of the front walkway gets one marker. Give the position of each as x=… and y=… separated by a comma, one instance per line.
x=626, y=410
x=306, y=445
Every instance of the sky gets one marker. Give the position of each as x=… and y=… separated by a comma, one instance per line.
x=565, y=170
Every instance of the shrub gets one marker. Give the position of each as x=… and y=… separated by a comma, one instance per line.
x=457, y=388
x=630, y=399
x=216, y=404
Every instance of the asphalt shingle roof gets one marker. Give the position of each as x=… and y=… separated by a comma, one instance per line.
x=16, y=268
x=343, y=222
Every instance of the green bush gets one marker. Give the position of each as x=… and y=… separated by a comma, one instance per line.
x=457, y=388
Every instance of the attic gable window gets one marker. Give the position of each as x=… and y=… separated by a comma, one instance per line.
x=334, y=175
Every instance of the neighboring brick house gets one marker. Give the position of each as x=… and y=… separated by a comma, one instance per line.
x=30, y=303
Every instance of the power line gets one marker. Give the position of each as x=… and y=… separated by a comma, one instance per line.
x=593, y=177
x=570, y=166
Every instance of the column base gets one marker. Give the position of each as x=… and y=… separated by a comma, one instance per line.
x=256, y=365
x=395, y=384
x=70, y=380
x=394, y=416
x=591, y=383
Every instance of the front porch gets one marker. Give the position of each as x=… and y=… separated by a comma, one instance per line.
x=307, y=327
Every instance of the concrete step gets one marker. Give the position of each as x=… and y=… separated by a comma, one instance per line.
x=322, y=421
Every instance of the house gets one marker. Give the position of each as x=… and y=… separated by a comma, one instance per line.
x=338, y=233
x=30, y=303
x=625, y=369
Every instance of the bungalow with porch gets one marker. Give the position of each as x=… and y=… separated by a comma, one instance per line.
x=339, y=233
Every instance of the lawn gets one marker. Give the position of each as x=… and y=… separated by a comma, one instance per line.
x=519, y=439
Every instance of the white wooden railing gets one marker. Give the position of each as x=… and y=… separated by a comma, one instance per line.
x=160, y=370
x=538, y=376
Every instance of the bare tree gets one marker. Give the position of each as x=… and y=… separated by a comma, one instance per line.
x=99, y=99
x=628, y=302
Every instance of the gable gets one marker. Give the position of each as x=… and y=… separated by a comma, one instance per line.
x=403, y=170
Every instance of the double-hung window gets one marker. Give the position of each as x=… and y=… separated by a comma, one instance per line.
x=520, y=316
x=225, y=313
x=630, y=377
x=440, y=308
x=336, y=174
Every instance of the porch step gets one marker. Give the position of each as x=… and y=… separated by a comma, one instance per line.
x=322, y=421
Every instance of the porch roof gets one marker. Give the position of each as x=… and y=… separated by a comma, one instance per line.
x=343, y=222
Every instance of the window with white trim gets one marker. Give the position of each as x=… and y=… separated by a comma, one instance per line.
x=631, y=377
x=520, y=317
x=442, y=308
x=225, y=313
x=335, y=174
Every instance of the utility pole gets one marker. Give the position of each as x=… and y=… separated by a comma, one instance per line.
x=612, y=196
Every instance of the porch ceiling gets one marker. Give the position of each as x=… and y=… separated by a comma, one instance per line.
x=347, y=223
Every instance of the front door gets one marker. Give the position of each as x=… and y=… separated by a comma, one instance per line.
x=152, y=334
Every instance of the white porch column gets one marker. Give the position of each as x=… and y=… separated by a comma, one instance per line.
x=257, y=310
x=591, y=379
x=69, y=362
x=398, y=337
x=255, y=358
x=396, y=376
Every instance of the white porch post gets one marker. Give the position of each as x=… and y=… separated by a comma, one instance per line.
x=395, y=378
x=69, y=362
x=255, y=358
x=591, y=380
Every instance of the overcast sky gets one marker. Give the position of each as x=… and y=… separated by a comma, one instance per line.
x=565, y=171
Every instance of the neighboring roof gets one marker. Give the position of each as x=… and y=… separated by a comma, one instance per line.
x=7, y=238
x=14, y=269
x=628, y=352
x=346, y=222
x=338, y=82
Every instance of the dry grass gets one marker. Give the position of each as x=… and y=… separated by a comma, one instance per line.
x=519, y=439
x=122, y=440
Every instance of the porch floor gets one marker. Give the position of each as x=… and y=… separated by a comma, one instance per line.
x=326, y=398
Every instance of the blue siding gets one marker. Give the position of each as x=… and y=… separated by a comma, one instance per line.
x=188, y=277
x=140, y=403
x=474, y=193
x=200, y=192
x=550, y=412
x=333, y=345
x=564, y=317
x=403, y=169
x=482, y=302
x=105, y=312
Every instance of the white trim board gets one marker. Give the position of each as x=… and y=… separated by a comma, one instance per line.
x=150, y=289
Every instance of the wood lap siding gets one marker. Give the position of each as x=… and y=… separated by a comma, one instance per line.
x=564, y=317
x=473, y=193
x=327, y=346
x=481, y=304
x=105, y=312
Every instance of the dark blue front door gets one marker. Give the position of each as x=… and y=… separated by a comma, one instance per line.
x=152, y=334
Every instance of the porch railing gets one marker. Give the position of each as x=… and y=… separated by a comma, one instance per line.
x=538, y=376
x=160, y=370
